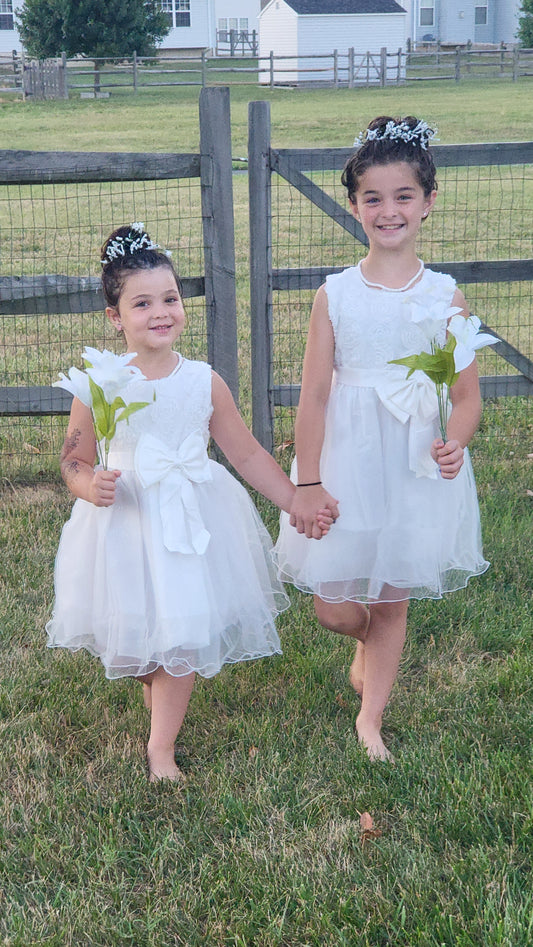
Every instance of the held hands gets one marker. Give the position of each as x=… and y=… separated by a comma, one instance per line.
x=102, y=487
x=313, y=511
x=324, y=520
x=449, y=456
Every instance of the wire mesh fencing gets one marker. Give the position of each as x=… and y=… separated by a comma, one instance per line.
x=479, y=230
x=53, y=232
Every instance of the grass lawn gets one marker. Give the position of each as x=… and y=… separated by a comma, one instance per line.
x=264, y=846
x=167, y=120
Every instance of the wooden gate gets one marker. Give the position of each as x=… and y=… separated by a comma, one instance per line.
x=55, y=294
x=296, y=167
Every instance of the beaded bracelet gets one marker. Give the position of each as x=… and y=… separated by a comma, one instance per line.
x=316, y=483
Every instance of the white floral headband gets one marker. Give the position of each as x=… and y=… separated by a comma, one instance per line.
x=135, y=240
x=421, y=134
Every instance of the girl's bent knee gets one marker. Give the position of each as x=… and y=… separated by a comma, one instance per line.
x=344, y=618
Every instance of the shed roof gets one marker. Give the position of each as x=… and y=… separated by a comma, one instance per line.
x=336, y=7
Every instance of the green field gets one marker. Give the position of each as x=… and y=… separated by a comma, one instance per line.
x=491, y=110
x=263, y=846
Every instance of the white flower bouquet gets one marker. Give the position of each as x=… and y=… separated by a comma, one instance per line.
x=101, y=387
x=442, y=364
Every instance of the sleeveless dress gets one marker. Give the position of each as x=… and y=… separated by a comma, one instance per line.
x=178, y=571
x=403, y=531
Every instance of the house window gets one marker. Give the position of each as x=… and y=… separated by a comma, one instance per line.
x=177, y=11
x=480, y=15
x=243, y=24
x=183, y=12
x=427, y=12
x=6, y=14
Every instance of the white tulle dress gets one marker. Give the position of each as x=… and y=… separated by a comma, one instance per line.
x=403, y=531
x=178, y=572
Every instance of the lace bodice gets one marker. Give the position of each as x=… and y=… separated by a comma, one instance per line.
x=182, y=405
x=372, y=326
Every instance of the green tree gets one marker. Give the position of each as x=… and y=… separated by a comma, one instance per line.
x=525, y=24
x=100, y=30
x=40, y=24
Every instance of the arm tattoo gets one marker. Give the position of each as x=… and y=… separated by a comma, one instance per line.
x=70, y=471
x=70, y=444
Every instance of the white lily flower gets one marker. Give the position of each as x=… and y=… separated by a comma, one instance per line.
x=77, y=383
x=430, y=314
x=111, y=372
x=468, y=338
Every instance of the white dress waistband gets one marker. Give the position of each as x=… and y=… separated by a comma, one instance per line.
x=411, y=400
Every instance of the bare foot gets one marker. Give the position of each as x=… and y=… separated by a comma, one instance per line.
x=163, y=766
x=357, y=669
x=370, y=738
x=147, y=696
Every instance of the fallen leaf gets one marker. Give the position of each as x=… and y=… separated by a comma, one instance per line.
x=252, y=752
x=30, y=448
x=341, y=701
x=368, y=829
x=530, y=456
x=529, y=493
x=284, y=446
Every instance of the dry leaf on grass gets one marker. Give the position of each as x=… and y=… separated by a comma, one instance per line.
x=284, y=446
x=252, y=752
x=529, y=493
x=368, y=829
x=341, y=701
x=30, y=449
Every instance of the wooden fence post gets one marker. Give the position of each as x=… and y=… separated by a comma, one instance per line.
x=219, y=234
x=63, y=79
x=383, y=66
x=457, y=63
x=135, y=76
x=516, y=62
x=336, y=68
x=351, y=69
x=260, y=211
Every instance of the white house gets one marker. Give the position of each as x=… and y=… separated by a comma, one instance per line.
x=9, y=37
x=302, y=28
x=194, y=23
x=455, y=22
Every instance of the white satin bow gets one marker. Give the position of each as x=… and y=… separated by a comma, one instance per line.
x=175, y=470
x=414, y=399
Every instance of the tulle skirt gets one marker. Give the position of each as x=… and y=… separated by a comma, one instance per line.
x=123, y=596
x=398, y=536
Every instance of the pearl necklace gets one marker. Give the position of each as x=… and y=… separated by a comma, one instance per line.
x=389, y=289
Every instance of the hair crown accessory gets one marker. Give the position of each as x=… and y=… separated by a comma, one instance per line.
x=135, y=240
x=420, y=134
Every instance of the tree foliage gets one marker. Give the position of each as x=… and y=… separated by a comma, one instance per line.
x=525, y=24
x=103, y=30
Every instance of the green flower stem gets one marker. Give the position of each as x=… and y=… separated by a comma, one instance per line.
x=443, y=400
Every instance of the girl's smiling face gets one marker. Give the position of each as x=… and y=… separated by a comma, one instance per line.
x=390, y=204
x=150, y=310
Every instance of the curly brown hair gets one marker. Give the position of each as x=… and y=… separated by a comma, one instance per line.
x=387, y=150
x=116, y=269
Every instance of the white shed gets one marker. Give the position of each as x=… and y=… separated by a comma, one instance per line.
x=303, y=28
